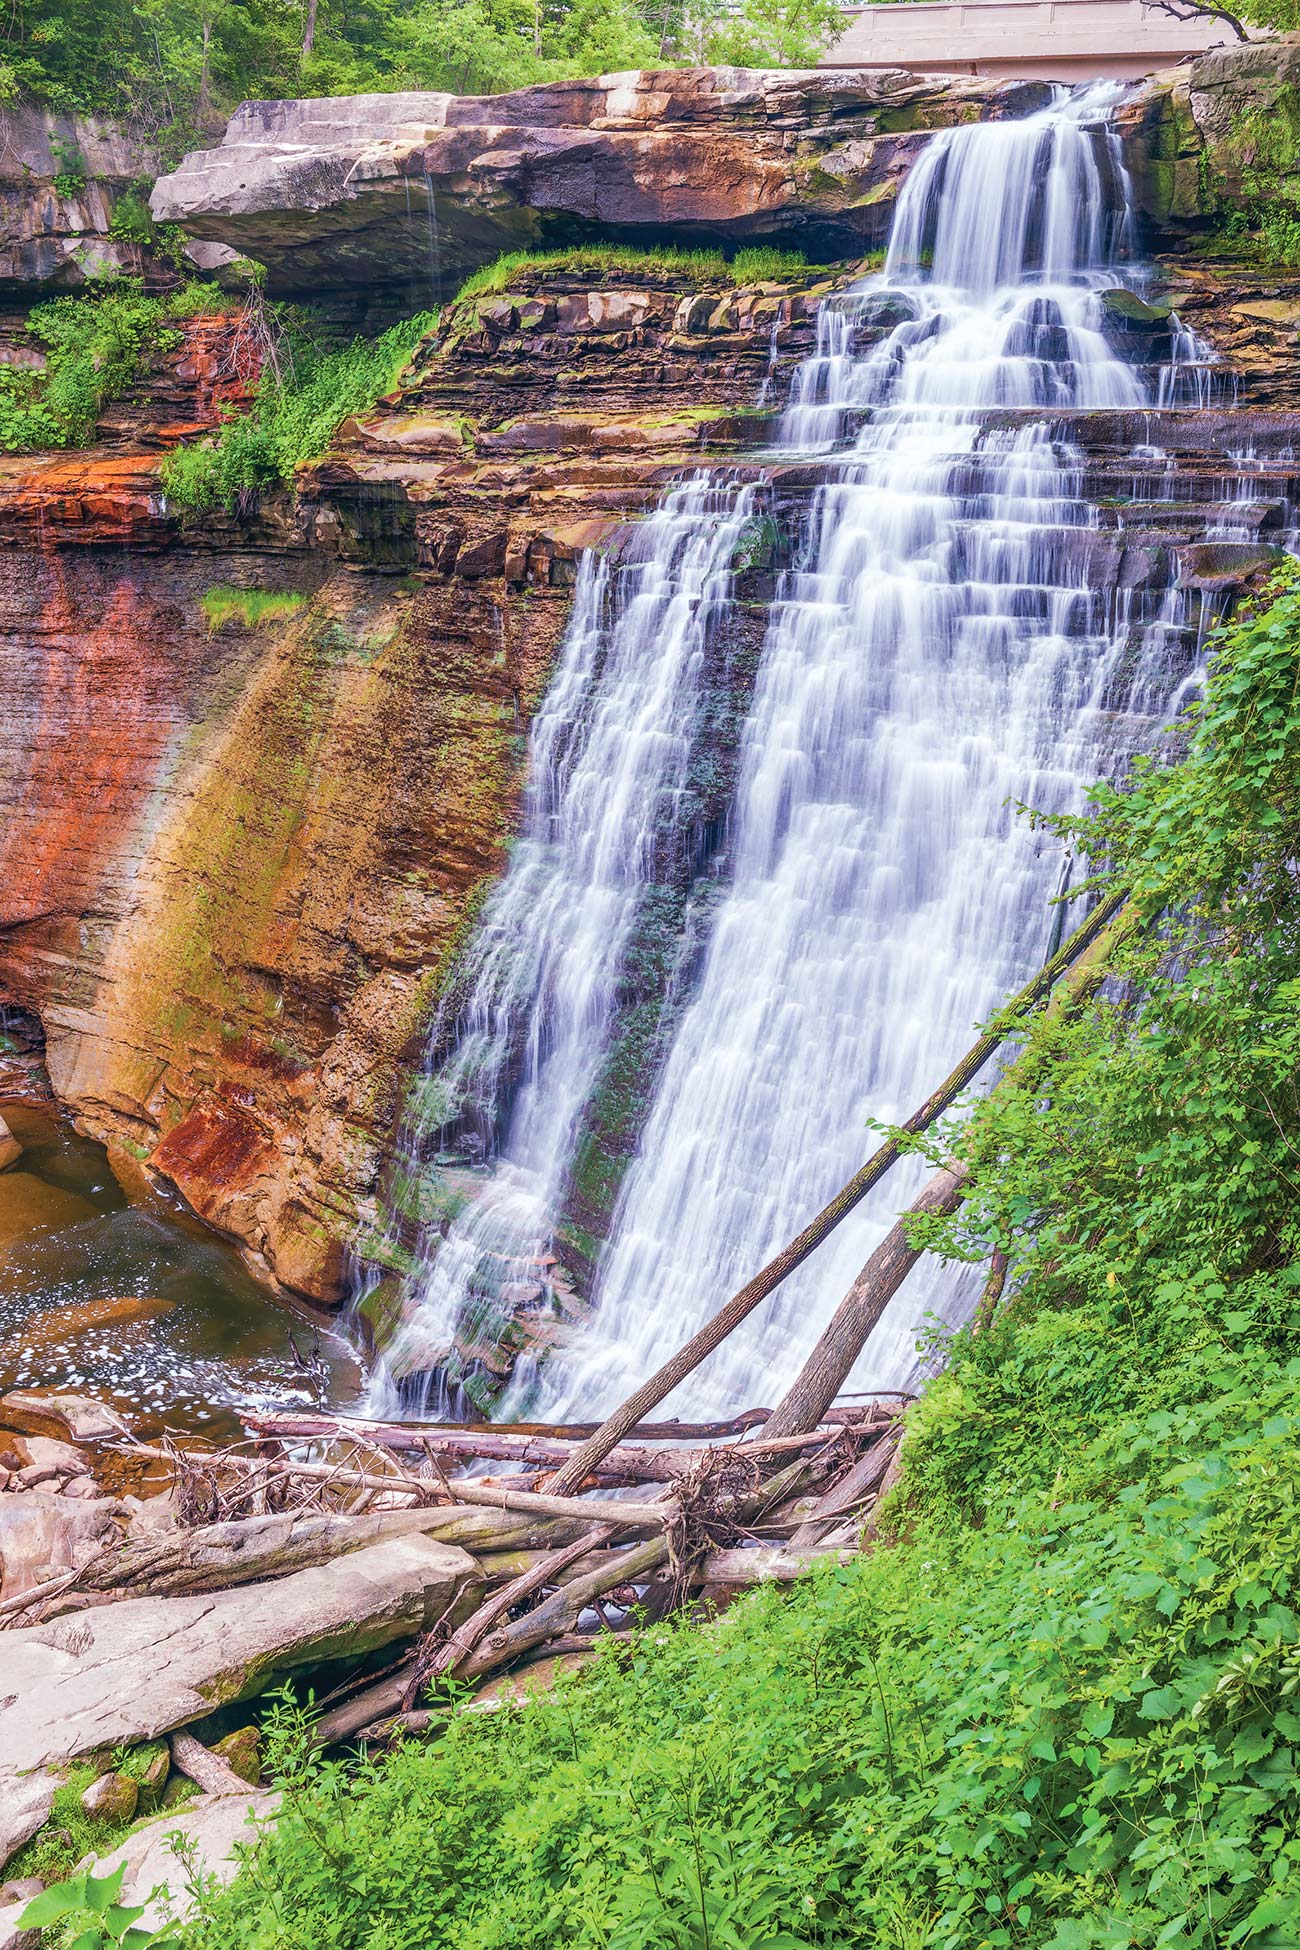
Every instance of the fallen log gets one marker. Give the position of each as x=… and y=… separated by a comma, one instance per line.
x=831, y=1361
x=860, y=1481
x=460, y=1646
x=782, y=1564
x=222, y=1556
x=622, y=1464
x=592, y=1453
x=827, y=1367
x=206, y=1769
x=391, y=1435
x=623, y=1516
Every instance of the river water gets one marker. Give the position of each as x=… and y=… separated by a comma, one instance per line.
x=944, y=649
x=140, y=1305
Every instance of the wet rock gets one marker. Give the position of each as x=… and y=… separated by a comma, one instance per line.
x=145, y=1665
x=22, y=1890
x=242, y=1753
x=10, y=1149
x=1134, y=314
x=11, y=1936
x=51, y=238
x=112, y=1798
x=80, y=1417
x=42, y=1535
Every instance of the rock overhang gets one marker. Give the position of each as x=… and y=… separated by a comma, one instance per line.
x=414, y=191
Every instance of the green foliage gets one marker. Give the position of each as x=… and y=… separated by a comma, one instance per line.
x=91, y=1902
x=70, y=170
x=294, y=416
x=95, y=347
x=249, y=607
x=753, y=265
x=1063, y=1712
x=170, y=68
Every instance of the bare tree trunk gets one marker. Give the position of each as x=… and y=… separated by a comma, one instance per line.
x=991, y=1296
x=308, y=35
x=729, y=1317
x=827, y=1367
x=206, y=1769
x=205, y=75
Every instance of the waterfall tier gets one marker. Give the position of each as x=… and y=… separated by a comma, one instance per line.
x=950, y=639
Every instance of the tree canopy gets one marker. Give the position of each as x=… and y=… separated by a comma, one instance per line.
x=170, y=68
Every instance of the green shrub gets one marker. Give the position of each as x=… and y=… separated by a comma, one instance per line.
x=294, y=415
x=752, y=265
x=1063, y=1711
x=95, y=347
x=250, y=607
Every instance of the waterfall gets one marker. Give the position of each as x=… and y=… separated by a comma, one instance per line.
x=608, y=764
x=950, y=643
x=944, y=654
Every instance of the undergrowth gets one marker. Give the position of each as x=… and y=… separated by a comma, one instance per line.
x=1062, y=1712
x=95, y=347
x=753, y=265
x=298, y=406
x=249, y=607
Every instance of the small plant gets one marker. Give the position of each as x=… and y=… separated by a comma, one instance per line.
x=93, y=1900
x=250, y=607
x=308, y=388
x=131, y=222
x=70, y=169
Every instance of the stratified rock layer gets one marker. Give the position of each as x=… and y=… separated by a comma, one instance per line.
x=61, y=180
x=415, y=190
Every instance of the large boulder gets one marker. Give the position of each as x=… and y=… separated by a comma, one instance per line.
x=415, y=190
x=1212, y=138
x=139, y=1668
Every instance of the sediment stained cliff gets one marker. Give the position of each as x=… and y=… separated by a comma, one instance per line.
x=240, y=845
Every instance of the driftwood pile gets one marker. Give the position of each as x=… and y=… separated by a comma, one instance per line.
x=382, y=1556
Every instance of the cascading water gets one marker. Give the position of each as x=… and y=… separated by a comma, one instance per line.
x=608, y=759
x=951, y=645
x=943, y=655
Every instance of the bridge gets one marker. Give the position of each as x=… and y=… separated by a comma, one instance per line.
x=1050, y=40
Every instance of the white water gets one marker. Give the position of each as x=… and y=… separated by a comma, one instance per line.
x=941, y=656
x=609, y=752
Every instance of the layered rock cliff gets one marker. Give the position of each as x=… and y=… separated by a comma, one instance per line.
x=242, y=840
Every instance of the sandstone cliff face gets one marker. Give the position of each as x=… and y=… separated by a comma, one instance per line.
x=235, y=863
x=61, y=179
x=410, y=192
x=1214, y=137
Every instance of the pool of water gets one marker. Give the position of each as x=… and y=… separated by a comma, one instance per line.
x=141, y=1304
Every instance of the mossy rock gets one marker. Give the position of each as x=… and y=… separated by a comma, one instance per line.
x=1134, y=314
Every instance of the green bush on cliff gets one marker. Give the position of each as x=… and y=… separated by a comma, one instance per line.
x=299, y=405
x=171, y=69
x=753, y=265
x=1063, y=1711
x=94, y=348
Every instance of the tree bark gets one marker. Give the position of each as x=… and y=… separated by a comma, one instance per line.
x=828, y=1366
x=616, y=1426
x=207, y=1770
